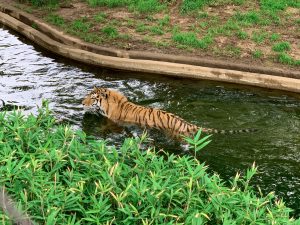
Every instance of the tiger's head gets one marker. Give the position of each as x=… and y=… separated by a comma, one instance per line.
x=103, y=101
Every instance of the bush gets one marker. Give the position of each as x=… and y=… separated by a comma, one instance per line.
x=62, y=176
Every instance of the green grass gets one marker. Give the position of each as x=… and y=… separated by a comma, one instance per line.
x=92, y=38
x=157, y=30
x=274, y=37
x=80, y=25
x=55, y=20
x=284, y=58
x=188, y=6
x=259, y=37
x=242, y=35
x=109, y=3
x=162, y=44
x=248, y=18
x=227, y=2
x=165, y=21
x=229, y=28
x=110, y=31
x=44, y=2
x=278, y=5
x=190, y=39
x=147, y=6
x=61, y=176
x=281, y=47
x=141, y=27
x=257, y=54
x=192, y=5
x=232, y=50
x=141, y=6
x=100, y=17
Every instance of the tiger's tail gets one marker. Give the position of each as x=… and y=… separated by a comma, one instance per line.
x=239, y=131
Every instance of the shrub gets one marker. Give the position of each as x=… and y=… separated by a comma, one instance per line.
x=62, y=176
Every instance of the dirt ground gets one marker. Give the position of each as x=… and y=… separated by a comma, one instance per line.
x=127, y=23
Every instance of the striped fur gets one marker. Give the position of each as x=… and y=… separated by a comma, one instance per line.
x=115, y=106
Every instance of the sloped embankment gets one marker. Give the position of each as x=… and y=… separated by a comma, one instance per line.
x=62, y=44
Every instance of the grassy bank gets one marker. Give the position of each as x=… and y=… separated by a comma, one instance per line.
x=60, y=176
x=251, y=31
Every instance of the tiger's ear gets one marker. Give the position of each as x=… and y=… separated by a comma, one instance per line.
x=95, y=88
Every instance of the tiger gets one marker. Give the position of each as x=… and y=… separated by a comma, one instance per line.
x=116, y=107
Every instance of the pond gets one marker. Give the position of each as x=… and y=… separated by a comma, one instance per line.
x=28, y=74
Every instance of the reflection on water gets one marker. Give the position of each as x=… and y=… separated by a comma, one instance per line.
x=28, y=75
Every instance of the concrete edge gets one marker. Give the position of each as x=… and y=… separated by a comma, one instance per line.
x=64, y=38
x=151, y=66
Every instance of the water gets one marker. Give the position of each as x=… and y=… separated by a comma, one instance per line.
x=29, y=74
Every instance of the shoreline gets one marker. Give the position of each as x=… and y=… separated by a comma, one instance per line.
x=67, y=46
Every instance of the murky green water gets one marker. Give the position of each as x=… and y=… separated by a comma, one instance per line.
x=28, y=75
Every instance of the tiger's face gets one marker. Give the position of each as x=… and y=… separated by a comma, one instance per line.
x=103, y=101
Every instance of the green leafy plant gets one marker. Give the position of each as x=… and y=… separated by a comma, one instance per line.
x=197, y=143
x=62, y=176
